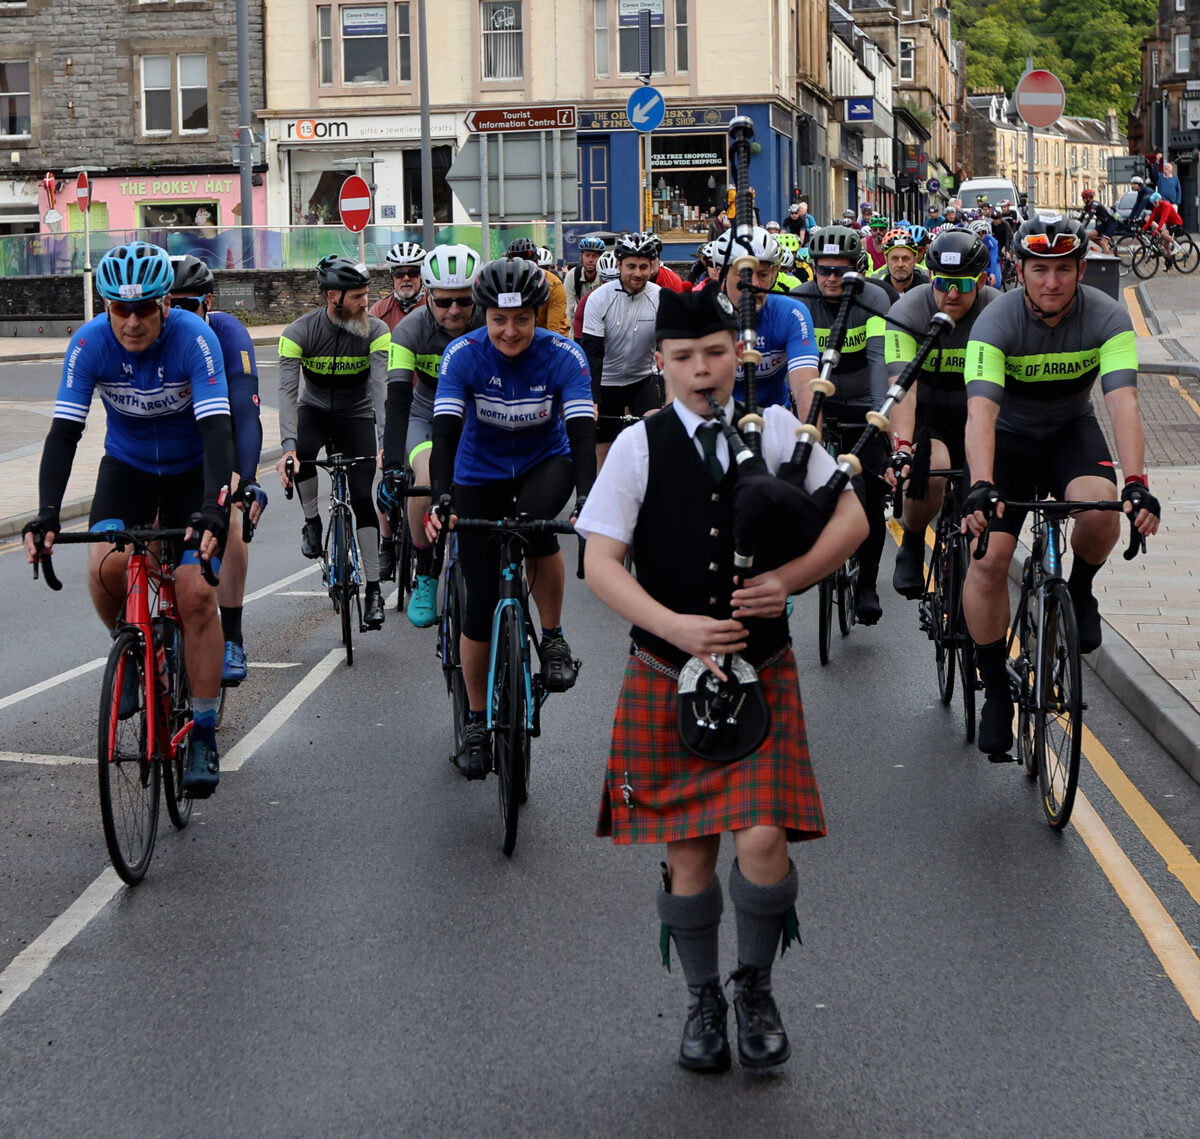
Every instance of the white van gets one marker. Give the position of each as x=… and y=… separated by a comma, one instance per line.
x=996, y=189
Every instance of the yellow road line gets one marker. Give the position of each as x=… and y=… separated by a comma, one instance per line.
x=1184, y=394
x=1140, y=327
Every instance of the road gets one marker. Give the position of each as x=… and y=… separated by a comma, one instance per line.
x=336, y=945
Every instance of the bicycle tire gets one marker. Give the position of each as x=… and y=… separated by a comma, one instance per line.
x=941, y=576
x=847, y=594
x=1188, y=257
x=221, y=706
x=1145, y=263
x=1058, y=723
x=968, y=679
x=508, y=723
x=129, y=780
x=455, y=684
x=179, y=806
x=1023, y=672
x=824, y=617
x=1123, y=249
x=341, y=541
x=405, y=560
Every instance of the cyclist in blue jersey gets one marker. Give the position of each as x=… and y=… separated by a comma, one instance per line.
x=193, y=290
x=168, y=454
x=982, y=228
x=786, y=337
x=513, y=429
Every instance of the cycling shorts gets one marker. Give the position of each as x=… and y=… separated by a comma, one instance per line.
x=950, y=428
x=133, y=499
x=1033, y=469
x=420, y=424
x=636, y=398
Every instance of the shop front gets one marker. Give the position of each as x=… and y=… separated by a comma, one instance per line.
x=689, y=175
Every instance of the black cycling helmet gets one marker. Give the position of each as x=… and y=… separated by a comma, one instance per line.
x=636, y=245
x=192, y=276
x=654, y=240
x=335, y=272
x=957, y=253
x=523, y=247
x=511, y=282
x=1049, y=237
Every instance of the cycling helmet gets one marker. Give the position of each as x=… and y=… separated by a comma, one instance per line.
x=837, y=241
x=511, y=282
x=607, y=266
x=450, y=267
x=981, y=227
x=1136, y=181
x=773, y=226
x=1005, y=204
x=135, y=272
x=787, y=259
x=654, y=240
x=957, y=253
x=763, y=245
x=981, y=200
x=919, y=234
x=335, y=272
x=1088, y=194
x=898, y=239
x=192, y=276
x=523, y=247
x=636, y=245
x=593, y=243
x=705, y=252
x=903, y=223
x=1155, y=198
x=405, y=253
x=879, y=221
x=545, y=258
x=788, y=241
x=1050, y=236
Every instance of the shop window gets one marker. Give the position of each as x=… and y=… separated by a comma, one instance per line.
x=600, y=36
x=403, y=43
x=162, y=77
x=908, y=56
x=441, y=159
x=201, y=215
x=503, y=30
x=689, y=175
x=15, y=121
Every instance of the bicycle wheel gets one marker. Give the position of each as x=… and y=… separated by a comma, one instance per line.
x=452, y=610
x=1058, y=717
x=129, y=781
x=1187, y=254
x=1022, y=677
x=847, y=594
x=1145, y=263
x=968, y=679
x=1123, y=249
x=824, y=617
x=179, y=806
x=942, y=583
x=403, y=544
x=341, y=541
x=508, y=720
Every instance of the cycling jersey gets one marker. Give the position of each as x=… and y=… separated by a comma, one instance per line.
x=513, y=408
x=578, y=287
x=1042, y=377
x=343, y=372
x=1163, y=214
x=787, y=340
x=241, y=374
x=785, y=283
x=666, y=278
x=154, y=399
x=553, y=314
x=860, y=376
x=393, y=309
x=624, y=324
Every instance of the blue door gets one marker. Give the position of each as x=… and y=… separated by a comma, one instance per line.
x=593, y=182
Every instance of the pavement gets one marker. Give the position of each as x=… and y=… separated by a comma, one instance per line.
x=1150, y=657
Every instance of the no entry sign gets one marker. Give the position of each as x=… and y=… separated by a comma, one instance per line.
x=354, y=204
x=1040, y=98
x=83, y=191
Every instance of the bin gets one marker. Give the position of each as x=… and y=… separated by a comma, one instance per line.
x=1103, y=272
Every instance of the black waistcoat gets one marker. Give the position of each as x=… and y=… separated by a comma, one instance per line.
x=683, y=541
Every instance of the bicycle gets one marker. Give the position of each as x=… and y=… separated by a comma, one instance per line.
x=1184, y=257
x=245, y=495
x=842, y=584
x=147, y=748
x=403, y=548
x=515, y=692
x=1044, y=667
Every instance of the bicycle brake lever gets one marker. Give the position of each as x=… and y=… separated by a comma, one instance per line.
x=1137, y=540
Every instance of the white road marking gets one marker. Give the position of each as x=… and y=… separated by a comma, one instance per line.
x=53, y=682
x=44, y=760
x=273, y=664
x=277, y=585
x=303, y=593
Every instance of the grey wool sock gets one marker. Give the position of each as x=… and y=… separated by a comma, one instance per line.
x=694, y=921
x=764, y=913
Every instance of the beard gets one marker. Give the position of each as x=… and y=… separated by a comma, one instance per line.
x=357, y=325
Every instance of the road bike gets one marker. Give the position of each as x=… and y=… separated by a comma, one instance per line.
x=1150, y=252
x=841, y=585
x=1044, y=668
x=404, y=551
x=144, y=747
x=244, y=495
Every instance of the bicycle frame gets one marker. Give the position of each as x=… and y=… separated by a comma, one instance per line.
x=339, y=512
x=513, y=592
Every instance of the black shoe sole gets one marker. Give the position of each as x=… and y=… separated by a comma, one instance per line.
x=772, y=1062
x=707, y=1068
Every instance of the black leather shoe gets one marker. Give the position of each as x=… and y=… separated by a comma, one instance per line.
x=762, y=1042
x=1087, y=621
x=705, y=1044
x=908, y=578
x=310, y=538
x=474, y=758
x=387, y=560
x=559, y=670
x=995, y=726
x=373, y=610
x=867, y=609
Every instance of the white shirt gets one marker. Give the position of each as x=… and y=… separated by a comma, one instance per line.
x=616, y=498
x=626, y=323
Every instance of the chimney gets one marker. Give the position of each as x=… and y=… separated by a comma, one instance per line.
x=1112, y=129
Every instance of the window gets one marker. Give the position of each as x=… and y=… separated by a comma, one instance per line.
x=1074, y=157
x=1056, y=154
x=1183, y=51
x=191, y=78
x=907, y=60
x=1086, y=152
x=364, y=44
x=1154, y=67
x=627, y=46
x=403, y=44
x=156, y=94
x=14, y=100
x=681, y=36
x=600, y=30
x=906, y=7
x=1180, y=5
x=193, y=93
x=325, y=46
x=503, y=54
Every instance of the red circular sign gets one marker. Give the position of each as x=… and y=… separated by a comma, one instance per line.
x=354, y=203
x=1040, y=98
x=83, y=191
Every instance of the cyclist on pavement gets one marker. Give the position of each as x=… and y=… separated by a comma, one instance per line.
x=418, y=344
x=1032, y=360
x=930, y=424
x=513, y=430
x=583, y=278
x=193, y=290
x=553, y=314
x=405, y=258
x=168, y=454
x=342, y=353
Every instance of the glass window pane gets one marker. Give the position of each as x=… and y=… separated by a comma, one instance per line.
x=600, y=26
x=325, y=63
x=502, y=47
x=14, y=77
x=156, y=71
x=193, y=71
x=681, y=49
x=364, y=60
x=158, y=110
x=681, y=11
x=193, y=109
x=14, y=115
x=402, y=26
x=404, y=60
x=324, y=22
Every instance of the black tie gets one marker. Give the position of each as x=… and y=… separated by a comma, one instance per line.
x=708, y=440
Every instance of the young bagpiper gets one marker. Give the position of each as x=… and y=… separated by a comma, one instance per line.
x=668, y=496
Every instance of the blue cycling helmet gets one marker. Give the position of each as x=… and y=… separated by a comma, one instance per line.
x=919, y=234
x=593, y=243
x=135, y=272
x=903, y=223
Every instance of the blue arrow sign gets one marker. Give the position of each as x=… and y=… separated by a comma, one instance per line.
x=645, y=109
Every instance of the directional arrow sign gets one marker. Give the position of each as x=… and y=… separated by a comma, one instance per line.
x=506, y=119
x=354, y=203
x=645, y=109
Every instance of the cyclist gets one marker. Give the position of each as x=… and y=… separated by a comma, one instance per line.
x=934, y=218
x=983, y=230
x=667, y=497
x=899, y=267
x=607, y=270
x=1097, y=220
x=784, y=281
x=1142, y=202
x=618, y=338
x=168, y=454
x=861, y=382
x=583, y=278
x=192, y=289
x=1032, y=360
x=785, y=333
x=799, y=269
x=447, y=275
x=930, y=425
x=799, y=222
x=553, y=314
x=921, y=237
x=405, y=258
x=342, y=353
x=1163, y=219
x=873, y=242
x=660, y=274
x=513, y=429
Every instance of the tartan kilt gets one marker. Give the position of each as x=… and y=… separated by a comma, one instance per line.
x=676, y=795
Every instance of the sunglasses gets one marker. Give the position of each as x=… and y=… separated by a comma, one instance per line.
x=192, y=304
x=406, y=272
x=1062, y=244
x=838, y=271
x=450, y=302
x=126, y=309
x=962, y=284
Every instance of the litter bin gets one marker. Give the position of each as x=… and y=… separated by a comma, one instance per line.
x=1103, y=272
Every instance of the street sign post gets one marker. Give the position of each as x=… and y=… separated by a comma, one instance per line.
x=354, y=206
x=83, y=199
x=1040, y=100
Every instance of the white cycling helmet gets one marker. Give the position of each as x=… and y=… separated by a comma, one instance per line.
x=773, y=226
x=450, y=267
x=787, y=259
x=762, y=245
x=545, y=258
x=607, y=266
x=980, y=226
x=405, y=253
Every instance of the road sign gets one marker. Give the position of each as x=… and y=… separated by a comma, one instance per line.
x=1040, y=98
x=933, y=186
x=506, y=119
x=83, y=191
x=645, y=109
x=525, y=168
x=676, y=119
x=354, y=203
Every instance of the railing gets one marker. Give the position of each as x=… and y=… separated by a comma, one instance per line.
x=239, y=247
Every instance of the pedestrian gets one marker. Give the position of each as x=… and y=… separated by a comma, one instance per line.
x=1169, y=185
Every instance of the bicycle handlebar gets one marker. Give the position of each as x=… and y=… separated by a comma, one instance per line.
x=140, y=539
x=1055, y=508
x=340, y=462
x=289, y=472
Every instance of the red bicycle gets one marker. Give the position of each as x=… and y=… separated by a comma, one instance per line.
x=145, y=722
